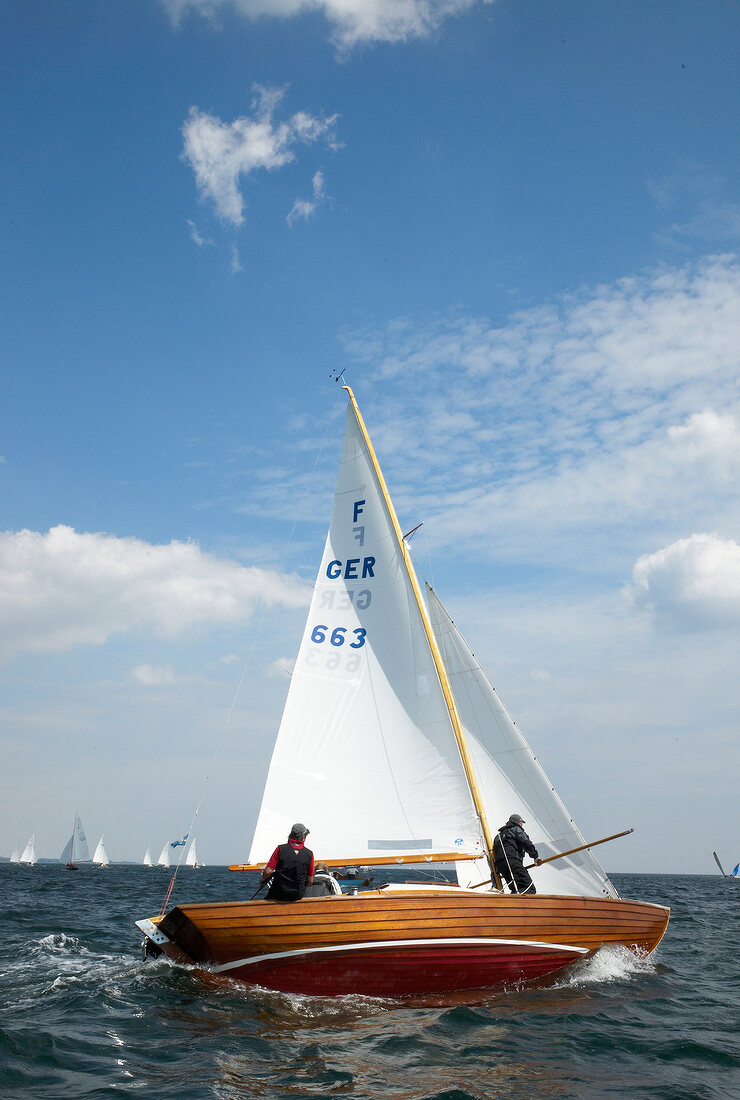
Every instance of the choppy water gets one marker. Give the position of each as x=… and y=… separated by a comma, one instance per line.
x=81, y=1016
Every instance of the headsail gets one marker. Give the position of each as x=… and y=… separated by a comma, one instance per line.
x=510, y=777
x=366, y=754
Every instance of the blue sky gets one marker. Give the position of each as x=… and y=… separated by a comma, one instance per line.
x=517, y=227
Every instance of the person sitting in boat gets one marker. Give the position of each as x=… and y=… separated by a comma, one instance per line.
x=324, y=883
x=509, y=847
x=290, y=867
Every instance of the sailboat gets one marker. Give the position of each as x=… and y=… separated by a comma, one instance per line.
x=735, y=870
x=16, y=856
x=147, y=860
x=29, y=852
x=384, y=686
x=101, y=856
x=164, y=857
x=191, y=860
x=75, y=850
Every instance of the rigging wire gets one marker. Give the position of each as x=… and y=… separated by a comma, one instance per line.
x=255, y=639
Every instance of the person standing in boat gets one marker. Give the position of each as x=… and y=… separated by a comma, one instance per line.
x=509, y=847
x=290, y=867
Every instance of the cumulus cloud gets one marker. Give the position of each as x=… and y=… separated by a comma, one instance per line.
x=151, y=676
x=221, y=153
x=66, y=588
x=693, y=583
x=352, y=22
x=306, y=208
x=281, y=667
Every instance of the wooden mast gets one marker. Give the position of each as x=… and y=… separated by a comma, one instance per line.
x=436, y=655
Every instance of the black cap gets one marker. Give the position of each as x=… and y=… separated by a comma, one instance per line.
x=299, y=830
x=516, y=819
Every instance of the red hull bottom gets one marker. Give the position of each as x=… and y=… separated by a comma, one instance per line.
x=406, y=971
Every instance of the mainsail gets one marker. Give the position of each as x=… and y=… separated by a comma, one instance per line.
x=366, y=754
x=29, y=852
x=76, y=850
x=164, y=858
x=147, y=860
x=191, y=860
x=16, y=856
x=101, y=856
x=510, y=777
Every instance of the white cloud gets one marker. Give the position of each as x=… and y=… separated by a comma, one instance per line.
x=306, y=208
x=63, y=589
x=151, y=676
x=693, y=583
x=281, y=667
x=221, y=153
x=195, y=235
x=352, y=22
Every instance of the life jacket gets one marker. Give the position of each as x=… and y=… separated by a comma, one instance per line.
x=291, y=874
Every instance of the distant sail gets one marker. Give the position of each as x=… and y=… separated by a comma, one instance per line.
x=164, y=859
x=147, y=860
x=192, y=857
x=101, y=856
x=76, y=850
x=510, y=777
x=15, y=858
x=29, y=852
x=716, y=860
x=736, y=871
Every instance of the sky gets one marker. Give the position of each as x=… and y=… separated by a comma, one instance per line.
x=517, y=228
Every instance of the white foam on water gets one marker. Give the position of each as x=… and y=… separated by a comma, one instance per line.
x=612, y=963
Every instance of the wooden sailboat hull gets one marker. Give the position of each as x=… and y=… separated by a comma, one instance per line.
x=402, y=943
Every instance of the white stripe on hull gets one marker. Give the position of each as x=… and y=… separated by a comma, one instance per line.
x=455, y=942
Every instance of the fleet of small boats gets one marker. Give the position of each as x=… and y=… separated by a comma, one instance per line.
x=386, y=687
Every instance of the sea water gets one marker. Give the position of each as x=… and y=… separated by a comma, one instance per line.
x=82, y=1016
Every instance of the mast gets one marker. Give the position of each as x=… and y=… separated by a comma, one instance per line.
x=436, y=655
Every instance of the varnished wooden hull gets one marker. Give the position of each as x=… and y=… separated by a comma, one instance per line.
x=401, y=943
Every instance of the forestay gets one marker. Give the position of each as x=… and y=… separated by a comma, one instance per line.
x=510, y=777
x=365, y=755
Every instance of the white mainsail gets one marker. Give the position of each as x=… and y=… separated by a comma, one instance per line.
x=101, y=856
x=191, y=860
x=147, y=860
x=29, y=852
x=16, y=856
x=164, y=859
x=365, y=754
x=76, y=850
x=511, y=779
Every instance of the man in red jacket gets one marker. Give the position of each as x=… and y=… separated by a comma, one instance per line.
x=290, y=867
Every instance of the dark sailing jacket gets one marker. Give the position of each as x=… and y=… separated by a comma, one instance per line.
x=288, y=882
x=510, y=844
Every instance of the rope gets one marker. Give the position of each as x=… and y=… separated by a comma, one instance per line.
x=234, y=701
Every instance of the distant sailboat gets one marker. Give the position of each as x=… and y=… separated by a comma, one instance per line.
x=75, y=850
x=29, y=852
x=147, y=860
x=191, y=859
x=164, y=859
x=101, y=856
x=735, y=870
x=15, y=858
